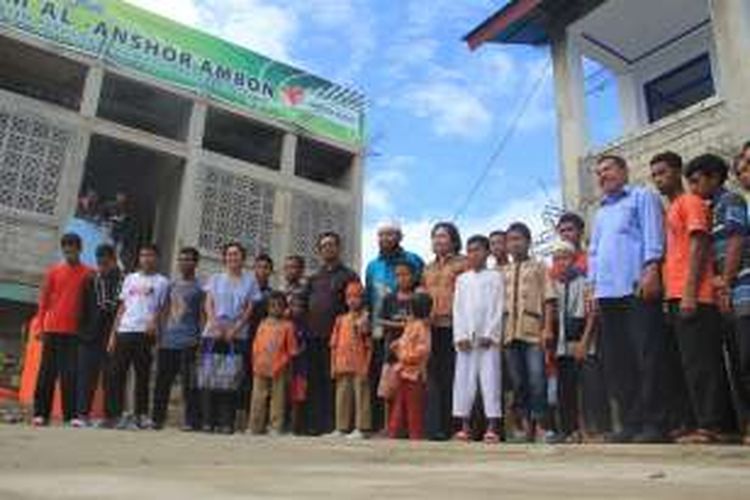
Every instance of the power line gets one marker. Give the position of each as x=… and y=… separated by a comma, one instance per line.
x=503, y=142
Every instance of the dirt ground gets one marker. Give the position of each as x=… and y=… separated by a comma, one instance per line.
x=60, y=463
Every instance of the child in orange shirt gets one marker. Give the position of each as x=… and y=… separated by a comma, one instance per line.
x=351, y=350
x=273, y=348
x=412, y=350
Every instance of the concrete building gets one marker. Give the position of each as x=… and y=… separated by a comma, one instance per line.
x=682, y=69
x=211, y=142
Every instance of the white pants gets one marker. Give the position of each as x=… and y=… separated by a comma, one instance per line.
x=477, y=367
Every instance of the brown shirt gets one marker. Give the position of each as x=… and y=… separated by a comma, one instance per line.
x=527, y=289
x=439, y=281
x=325, y=298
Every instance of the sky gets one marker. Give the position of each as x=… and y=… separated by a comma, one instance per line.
x=437, y=111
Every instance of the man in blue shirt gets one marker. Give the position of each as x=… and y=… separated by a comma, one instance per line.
x=380, y=280
x=627, y=246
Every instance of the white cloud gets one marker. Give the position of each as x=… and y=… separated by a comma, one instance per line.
x=453, y=109
x=383, y=183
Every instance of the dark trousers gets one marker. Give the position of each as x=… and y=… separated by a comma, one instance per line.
x=526, y=368
x=741, y=340
x=440, y=371
x=569, y=376
x=700, y=343
x=218, y=409
x=59, y=353
x=633, y=346
x=131, y=349
x=170, y=363
x=680, y=415
x=319, y=407
x=92, y=357
x=378, y=405
x=595, y=402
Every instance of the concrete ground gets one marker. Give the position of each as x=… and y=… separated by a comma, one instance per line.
x=60, y=463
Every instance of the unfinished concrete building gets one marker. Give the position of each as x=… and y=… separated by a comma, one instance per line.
x=681, y=68
x=211, y=142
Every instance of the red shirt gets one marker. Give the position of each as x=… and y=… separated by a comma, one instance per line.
x=61, y=298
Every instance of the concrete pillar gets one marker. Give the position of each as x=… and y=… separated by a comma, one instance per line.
x=571, y=113
x=357, y=190
x=188, y=218
x=629, y=97
x=730, y=20
x=92, y=89
x=288, y=153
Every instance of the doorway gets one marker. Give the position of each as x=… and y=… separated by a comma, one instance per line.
x=124, y=181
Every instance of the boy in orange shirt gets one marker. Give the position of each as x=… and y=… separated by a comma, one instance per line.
x=351, y=350
x=412, y=350
x=273, y=348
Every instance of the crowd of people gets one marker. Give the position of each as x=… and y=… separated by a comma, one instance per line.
x=643, y=337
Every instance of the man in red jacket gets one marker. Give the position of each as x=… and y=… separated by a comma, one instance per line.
x=60, y=304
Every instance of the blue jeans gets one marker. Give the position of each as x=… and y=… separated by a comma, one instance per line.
x=526, y=368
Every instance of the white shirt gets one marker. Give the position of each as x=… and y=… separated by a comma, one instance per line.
x=142, y=296
x=478, y=306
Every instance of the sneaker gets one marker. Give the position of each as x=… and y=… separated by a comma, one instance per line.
x=335, y=434
x=79, y=423
x=126, y=423
x=356, y=435
x=273, y=433
x=143, y=422
x=39, y=422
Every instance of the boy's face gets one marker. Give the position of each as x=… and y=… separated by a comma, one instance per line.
x=147, y=260
x=293, y=270
x=563, y=259
x=570, y=233
x=704, y=185
x=518, y=245
x=404, y=278
x=329, y=249
x=187, y=264
x=263, y=271
x=354, y=302
x=477, y=254
x=71, y=252
x=105, y=262
x=497, y=246
x=276, y=308
x=667, y=180
x=743, y=171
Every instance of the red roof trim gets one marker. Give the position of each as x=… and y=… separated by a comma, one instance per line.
x=500, y=21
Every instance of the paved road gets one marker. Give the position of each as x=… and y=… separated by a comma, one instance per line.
x=56, y=463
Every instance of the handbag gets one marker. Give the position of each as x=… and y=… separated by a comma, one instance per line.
x=220, y=371
x=389, y=381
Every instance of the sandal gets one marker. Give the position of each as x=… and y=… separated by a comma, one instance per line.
x=462, y=435
x=699, y=436
x=491, y=437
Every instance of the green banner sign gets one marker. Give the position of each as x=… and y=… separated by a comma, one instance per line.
x=127, y=36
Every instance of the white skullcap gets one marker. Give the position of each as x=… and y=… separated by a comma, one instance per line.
x=562, y=246
x=389, y=225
